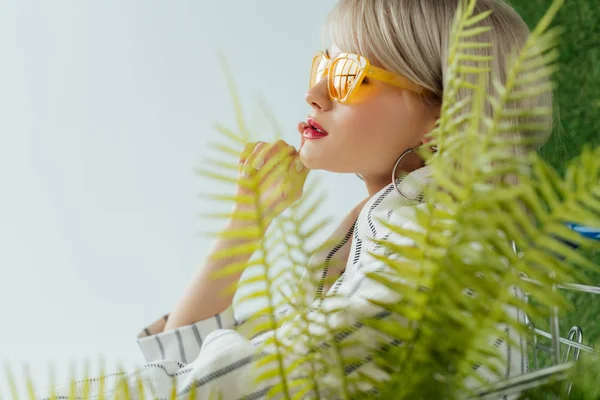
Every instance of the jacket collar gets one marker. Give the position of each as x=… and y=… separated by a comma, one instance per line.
x=388, y=201
x=411, y=185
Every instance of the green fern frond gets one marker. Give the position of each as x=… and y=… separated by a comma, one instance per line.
x=447, y=259
x=226, y=150
x=461, y=66
x=529, y=76
x=452, y=284
x=265, y=275
x=237, y=139
x=244, y=132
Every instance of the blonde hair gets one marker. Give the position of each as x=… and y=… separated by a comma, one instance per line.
x=411, y=37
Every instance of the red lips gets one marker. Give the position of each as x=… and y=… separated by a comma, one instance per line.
x=315, y=125
x=302, y=126
x=311, y=129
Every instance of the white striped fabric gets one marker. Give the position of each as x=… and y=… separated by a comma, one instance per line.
x=184, y=343
x=214, y=358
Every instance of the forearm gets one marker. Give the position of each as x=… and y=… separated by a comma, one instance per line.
x=279, y=186
x=207, y=295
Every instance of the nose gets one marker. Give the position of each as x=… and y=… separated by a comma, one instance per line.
x=318, y=96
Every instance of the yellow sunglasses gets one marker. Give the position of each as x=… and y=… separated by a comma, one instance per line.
x=347, y=71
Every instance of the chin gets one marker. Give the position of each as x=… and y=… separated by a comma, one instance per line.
x=310, y=161
x=318, y=164
x=310, y=164
x=321, y=160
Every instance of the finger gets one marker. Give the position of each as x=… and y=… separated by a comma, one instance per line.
x=298, y=173
x=270, y=151
x=278, y=150
x=278, y=159
x=290, y=180
x=297, y=167
x=248, y=149
x=245, y=168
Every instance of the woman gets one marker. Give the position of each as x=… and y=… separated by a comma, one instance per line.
x=368, y=125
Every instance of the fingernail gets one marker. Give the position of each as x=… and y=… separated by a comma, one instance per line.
x=299, y=165
x=258, y=162
x=245, y=173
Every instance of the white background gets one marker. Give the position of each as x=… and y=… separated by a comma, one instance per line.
x=106, y=111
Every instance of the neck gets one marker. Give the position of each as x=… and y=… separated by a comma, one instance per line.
x=375, y=183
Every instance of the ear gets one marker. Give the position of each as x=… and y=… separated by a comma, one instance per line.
x=434, y=115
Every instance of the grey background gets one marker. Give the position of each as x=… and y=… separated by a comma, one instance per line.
x=107, y=109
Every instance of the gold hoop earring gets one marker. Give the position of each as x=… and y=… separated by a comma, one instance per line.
x=410, y=150
x=394, y=171
x=407, y=152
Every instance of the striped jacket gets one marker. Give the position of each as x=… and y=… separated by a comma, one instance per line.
x=217, y=356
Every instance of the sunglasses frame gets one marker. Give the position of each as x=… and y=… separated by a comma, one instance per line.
x=366, y=70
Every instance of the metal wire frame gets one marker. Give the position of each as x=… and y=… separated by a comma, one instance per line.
x=573, y=341
x=521, y=383
x=574, y=338
x=560, y=367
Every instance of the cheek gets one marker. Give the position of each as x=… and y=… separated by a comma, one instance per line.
x=367, y=117
x=349, y=144
x=380, y=130
x=368, y=135
x=377, y=129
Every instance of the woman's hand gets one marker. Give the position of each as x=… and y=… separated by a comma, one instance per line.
x=271, y=178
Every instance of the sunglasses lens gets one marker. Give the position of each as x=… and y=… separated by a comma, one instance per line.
x=344, y=74
x=319, y=66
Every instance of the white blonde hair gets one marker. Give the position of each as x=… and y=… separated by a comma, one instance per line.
x=411, y=37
